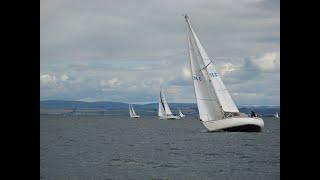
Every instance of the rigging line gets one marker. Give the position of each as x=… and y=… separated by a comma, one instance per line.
x=206, y=65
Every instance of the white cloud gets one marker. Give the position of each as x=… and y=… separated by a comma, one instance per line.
x=268, y=62
x=47, y=78
x=108, y=85
x=64, y=77
x=173, y=89
x=227, y=68
x=88, y=99
x=186, y=74
x=114, y=82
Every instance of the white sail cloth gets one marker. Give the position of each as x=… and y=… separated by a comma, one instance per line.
x=164, y=109
x=131, y=111
x=180, y=114
x=213, y=98
x=210, y=74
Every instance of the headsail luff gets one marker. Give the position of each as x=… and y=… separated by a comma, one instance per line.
x=225, y=100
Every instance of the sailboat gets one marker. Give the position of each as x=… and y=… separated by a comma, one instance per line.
x=132, y=113
x=276, y=115
x=164, y=111
x=217, y=110
x=180, y=114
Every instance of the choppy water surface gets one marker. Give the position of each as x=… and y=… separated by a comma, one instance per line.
x=100, y=147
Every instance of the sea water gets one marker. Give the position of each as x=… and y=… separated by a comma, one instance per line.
x=106, y=147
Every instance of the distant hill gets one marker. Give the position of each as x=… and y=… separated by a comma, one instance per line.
x=188, y=108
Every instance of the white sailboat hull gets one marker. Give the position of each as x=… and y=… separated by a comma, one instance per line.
x=235, y=124
x=135, y=116
x=170, y=117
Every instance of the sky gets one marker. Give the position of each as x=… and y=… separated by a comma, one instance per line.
x=124, y=50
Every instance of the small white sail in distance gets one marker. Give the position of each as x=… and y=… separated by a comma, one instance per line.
x=132, y=112
x=164, y=111
x=161, y=109
x=216, y=108
x=180, y=114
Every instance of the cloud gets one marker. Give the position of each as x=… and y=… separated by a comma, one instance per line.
x=47, y=79
x=226, y=68
x=64, y=77
x=186, y=73
x=269, y=62
x=124, y=51
x=109, y=84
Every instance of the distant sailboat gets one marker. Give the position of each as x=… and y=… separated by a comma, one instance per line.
x=164, y=111
x=180, y=114
x=217, y=110
x=132, y=112
x=276, y=115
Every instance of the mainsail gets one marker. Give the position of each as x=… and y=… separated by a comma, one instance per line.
x=164, y=109
x=133, y=112
x=161, y=111
x=213, y=99
x=130, y=111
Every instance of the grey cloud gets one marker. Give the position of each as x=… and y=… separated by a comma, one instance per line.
x=143, y=44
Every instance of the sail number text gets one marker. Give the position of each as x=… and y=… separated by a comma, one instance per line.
x=213, y=74
x=198, y=78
